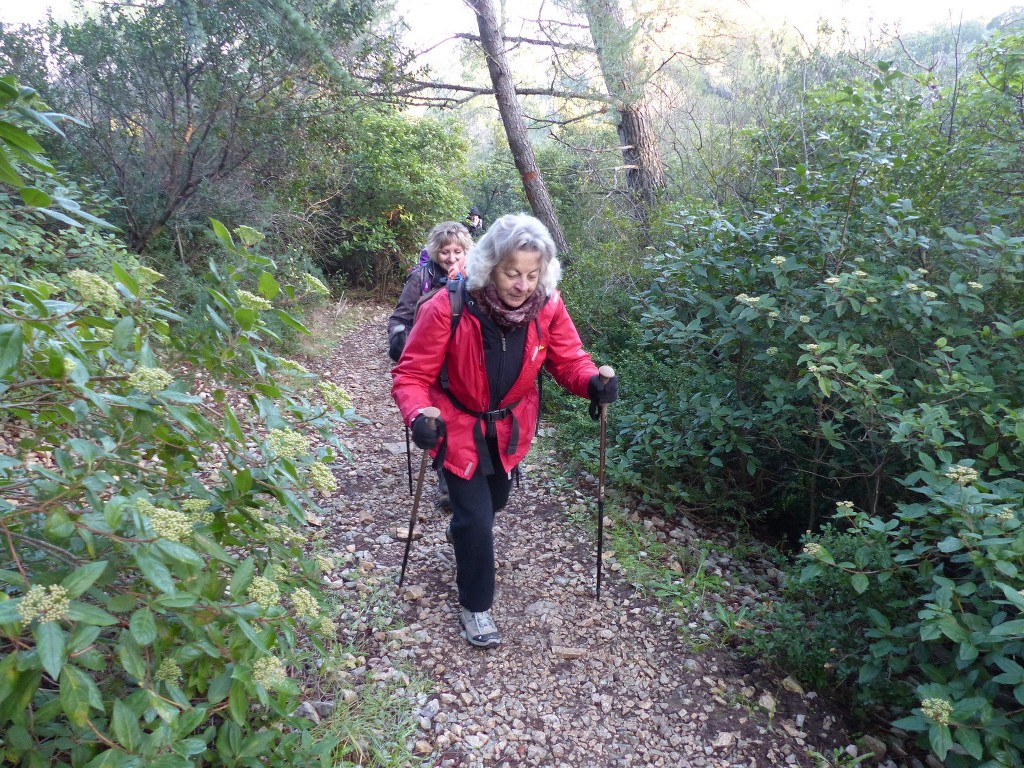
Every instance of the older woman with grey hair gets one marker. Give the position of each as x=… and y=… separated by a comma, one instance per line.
x=447, y=246
x=509, y=322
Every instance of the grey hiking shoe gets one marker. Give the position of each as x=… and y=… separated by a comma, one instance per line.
x=448, y=535
x=480, y=629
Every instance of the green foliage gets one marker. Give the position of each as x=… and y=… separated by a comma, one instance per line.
x=184, y=99
x=953, y=632
x=150, y=520
x=398, y=177
x=817, y=630
x=819, y=348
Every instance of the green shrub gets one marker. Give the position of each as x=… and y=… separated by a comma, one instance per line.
x=955, y=638
x=817, y=630
x=157, y=594
x=790, y=347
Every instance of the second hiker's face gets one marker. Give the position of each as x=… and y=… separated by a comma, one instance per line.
x=517, y=276
x=452, y=257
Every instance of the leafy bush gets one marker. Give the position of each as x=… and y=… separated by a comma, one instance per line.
x=794, y=345
x=817, y=630
x=954, y=634
x=157, y=589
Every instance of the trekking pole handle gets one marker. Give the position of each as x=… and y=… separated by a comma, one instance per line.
x=606, y=372
x=431, y=413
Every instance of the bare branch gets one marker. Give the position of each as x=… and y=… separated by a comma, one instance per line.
x=530, y=41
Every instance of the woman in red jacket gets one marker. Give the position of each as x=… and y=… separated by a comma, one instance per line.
x=484, y=381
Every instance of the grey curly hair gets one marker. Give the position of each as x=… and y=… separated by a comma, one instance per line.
x=508, y=234
x=448, y=232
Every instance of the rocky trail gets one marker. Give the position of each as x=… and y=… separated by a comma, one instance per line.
x=576, y=682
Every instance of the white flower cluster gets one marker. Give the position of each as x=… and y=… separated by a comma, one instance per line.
x=269, y=672
x=772, y=351
x=282, y=533
x=975, y=285
x=314, y=284
x=287, y=443
x=778, y=260
x=150, y=380
x=197, y=508
x=44, y=603
x=812, y=549
x=322, y=478
x=1006, y=514
x=832, y=280
x=147, y=276
x=305, y=605
x=746, y=299
x=335, y=396
x=327, y=627
x=937, y=710
x=168, y=671
x=291, y=365
x=930, y=295
x=264, y=592
x=167, y=523
x=962, y=476
x=805, y=318
x=844, y=506
x=871, y=300
x=252, y=301
x=93, y=288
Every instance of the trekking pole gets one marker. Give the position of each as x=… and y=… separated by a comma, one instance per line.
x=408, y=458
x=606, y=372
x=430, y=414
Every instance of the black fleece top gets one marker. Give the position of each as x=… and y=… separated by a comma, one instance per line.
x=503, y=351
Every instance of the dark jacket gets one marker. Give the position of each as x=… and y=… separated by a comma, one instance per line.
x=421, y=280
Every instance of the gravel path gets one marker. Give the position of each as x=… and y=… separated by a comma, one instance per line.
x=576, y=682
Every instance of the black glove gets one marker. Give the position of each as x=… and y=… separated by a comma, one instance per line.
x=601, y=393
x=425, y=434
x=397, y=343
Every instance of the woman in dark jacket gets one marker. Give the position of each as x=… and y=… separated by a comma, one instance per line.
x=513, y=322
x=447, y=246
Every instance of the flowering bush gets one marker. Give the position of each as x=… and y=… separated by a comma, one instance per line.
x=955, y=628
x=150, y=492
x=850, y=339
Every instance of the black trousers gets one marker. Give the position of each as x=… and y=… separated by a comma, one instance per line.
x=474, y=503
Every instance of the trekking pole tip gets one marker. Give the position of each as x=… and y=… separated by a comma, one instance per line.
x=605, y=371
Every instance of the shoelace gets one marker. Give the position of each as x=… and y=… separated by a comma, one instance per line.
x=483, y=622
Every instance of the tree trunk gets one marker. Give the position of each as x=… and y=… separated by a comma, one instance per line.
x=623, y=77
x=515, y=125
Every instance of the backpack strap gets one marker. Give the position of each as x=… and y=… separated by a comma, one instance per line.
x=455, y=299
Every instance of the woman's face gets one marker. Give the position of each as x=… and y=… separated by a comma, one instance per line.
x=516, y=277
x=452, y=257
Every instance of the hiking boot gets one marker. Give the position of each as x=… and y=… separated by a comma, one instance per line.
x=443, y=502
x=480, y=629
x=448, y=534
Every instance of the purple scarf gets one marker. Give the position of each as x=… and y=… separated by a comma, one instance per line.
x=505, y=317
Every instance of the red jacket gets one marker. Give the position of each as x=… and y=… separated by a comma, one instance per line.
x=415, y=387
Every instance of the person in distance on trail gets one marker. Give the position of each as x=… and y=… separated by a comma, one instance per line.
x=475, y=222
x=447, y=246
x=484, y=381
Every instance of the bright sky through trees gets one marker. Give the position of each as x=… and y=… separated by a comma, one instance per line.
x=432, y=21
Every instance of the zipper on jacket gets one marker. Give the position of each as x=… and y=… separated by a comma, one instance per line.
x=501, y=366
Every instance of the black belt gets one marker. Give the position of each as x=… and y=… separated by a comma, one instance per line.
x=490, y=418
